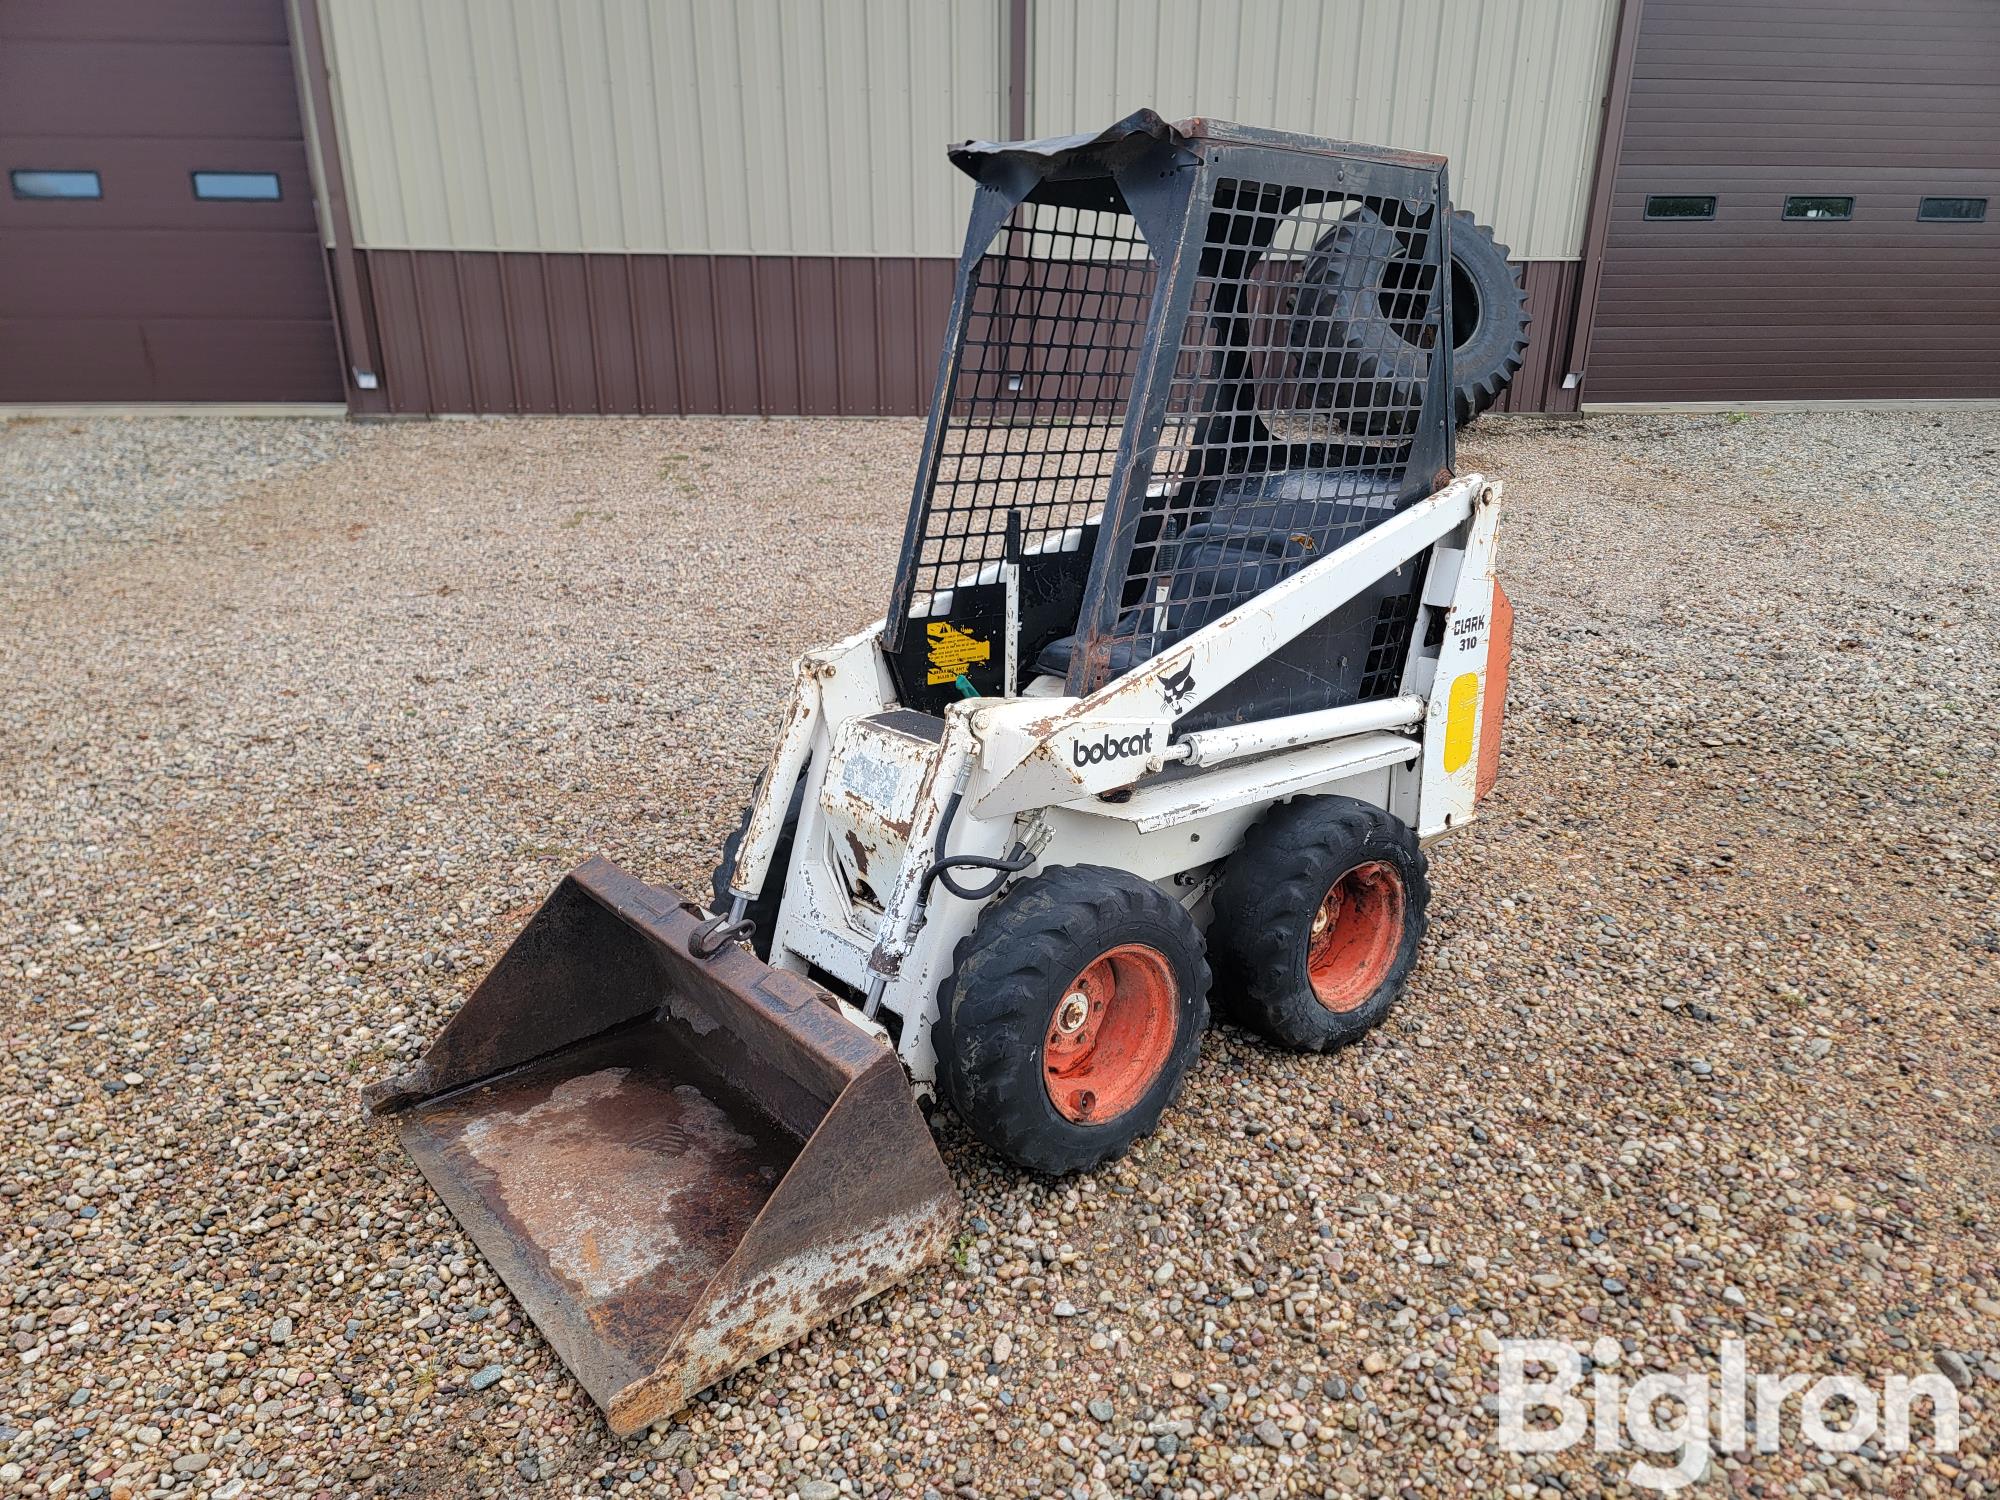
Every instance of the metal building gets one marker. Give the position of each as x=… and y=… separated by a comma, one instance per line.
x=1799, y=205
x=416, y=206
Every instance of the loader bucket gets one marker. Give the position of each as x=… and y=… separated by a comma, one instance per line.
x=677, y=1165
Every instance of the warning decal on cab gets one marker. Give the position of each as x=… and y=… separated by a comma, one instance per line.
x=952, y=650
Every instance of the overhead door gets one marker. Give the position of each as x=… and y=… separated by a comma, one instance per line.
x=1806, y=205
x=157, y=236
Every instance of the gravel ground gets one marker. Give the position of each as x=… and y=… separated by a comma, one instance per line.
x=303, y=718
x=74, y=491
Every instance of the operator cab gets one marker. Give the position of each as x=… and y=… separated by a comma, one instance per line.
x=1236, y=417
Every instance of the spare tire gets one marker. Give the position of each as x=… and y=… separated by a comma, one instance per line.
x=1351, y=315
x=1353, y=361
x=1489, y=318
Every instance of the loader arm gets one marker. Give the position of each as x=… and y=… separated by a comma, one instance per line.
x=1039, y=752
x=774, y=789
x=805, y=712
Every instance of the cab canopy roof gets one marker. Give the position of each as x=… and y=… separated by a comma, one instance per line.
x=1088, y=158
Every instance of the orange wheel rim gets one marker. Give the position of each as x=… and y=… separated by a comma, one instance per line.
x=1110, y=1035
x=1355, y=935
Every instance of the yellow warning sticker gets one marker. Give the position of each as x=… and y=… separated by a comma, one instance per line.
x=952, y=651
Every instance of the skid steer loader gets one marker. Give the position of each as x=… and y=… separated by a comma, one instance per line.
x=1194, y=641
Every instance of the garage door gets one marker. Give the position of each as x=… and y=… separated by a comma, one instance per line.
x=157, y=238
x=1806, y=205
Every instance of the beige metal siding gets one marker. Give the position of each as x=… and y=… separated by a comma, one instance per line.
x=799, y=127
x=1510, y=90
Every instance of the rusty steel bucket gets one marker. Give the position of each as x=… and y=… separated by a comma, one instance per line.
x=678, y=1165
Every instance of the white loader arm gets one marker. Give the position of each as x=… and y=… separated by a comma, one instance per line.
x=816, y=677
x=1041, y=752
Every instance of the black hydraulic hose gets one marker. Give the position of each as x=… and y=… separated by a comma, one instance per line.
x=943, y=864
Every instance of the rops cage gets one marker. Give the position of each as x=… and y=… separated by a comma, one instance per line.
x=1182, y=362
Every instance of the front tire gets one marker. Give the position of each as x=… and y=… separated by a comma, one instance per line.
x=1071, y=1016
x=1318, y=918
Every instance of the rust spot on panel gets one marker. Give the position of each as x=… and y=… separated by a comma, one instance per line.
x=858, y=809
x=860, y=852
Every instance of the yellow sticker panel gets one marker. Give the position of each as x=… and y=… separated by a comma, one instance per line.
x=952, y=650
x=1460, y=718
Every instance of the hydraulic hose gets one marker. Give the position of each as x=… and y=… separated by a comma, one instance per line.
x=942, y=864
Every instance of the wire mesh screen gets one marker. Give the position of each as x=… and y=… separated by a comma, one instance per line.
x=1292, y=410
x=1055, y=313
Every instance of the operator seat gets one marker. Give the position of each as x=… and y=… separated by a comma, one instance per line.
x=1257, y=530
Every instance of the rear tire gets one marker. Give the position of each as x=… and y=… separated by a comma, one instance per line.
x=1318, y=918
x=763, y=912
x=1071, y=1016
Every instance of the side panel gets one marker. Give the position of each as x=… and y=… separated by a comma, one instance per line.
x=1175, y=857
x=1449, y=785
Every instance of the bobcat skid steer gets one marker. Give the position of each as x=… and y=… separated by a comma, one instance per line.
x=1194, y=641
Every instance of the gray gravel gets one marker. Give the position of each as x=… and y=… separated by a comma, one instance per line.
x=76, y=489
x=1704, y=1044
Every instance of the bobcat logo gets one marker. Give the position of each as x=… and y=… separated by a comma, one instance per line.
x=1177, y=686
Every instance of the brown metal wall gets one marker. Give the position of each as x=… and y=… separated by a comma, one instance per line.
x=496, y=332
x=1752, y=100
x=148, y=294
x=1551, y=288
x=476, y=331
